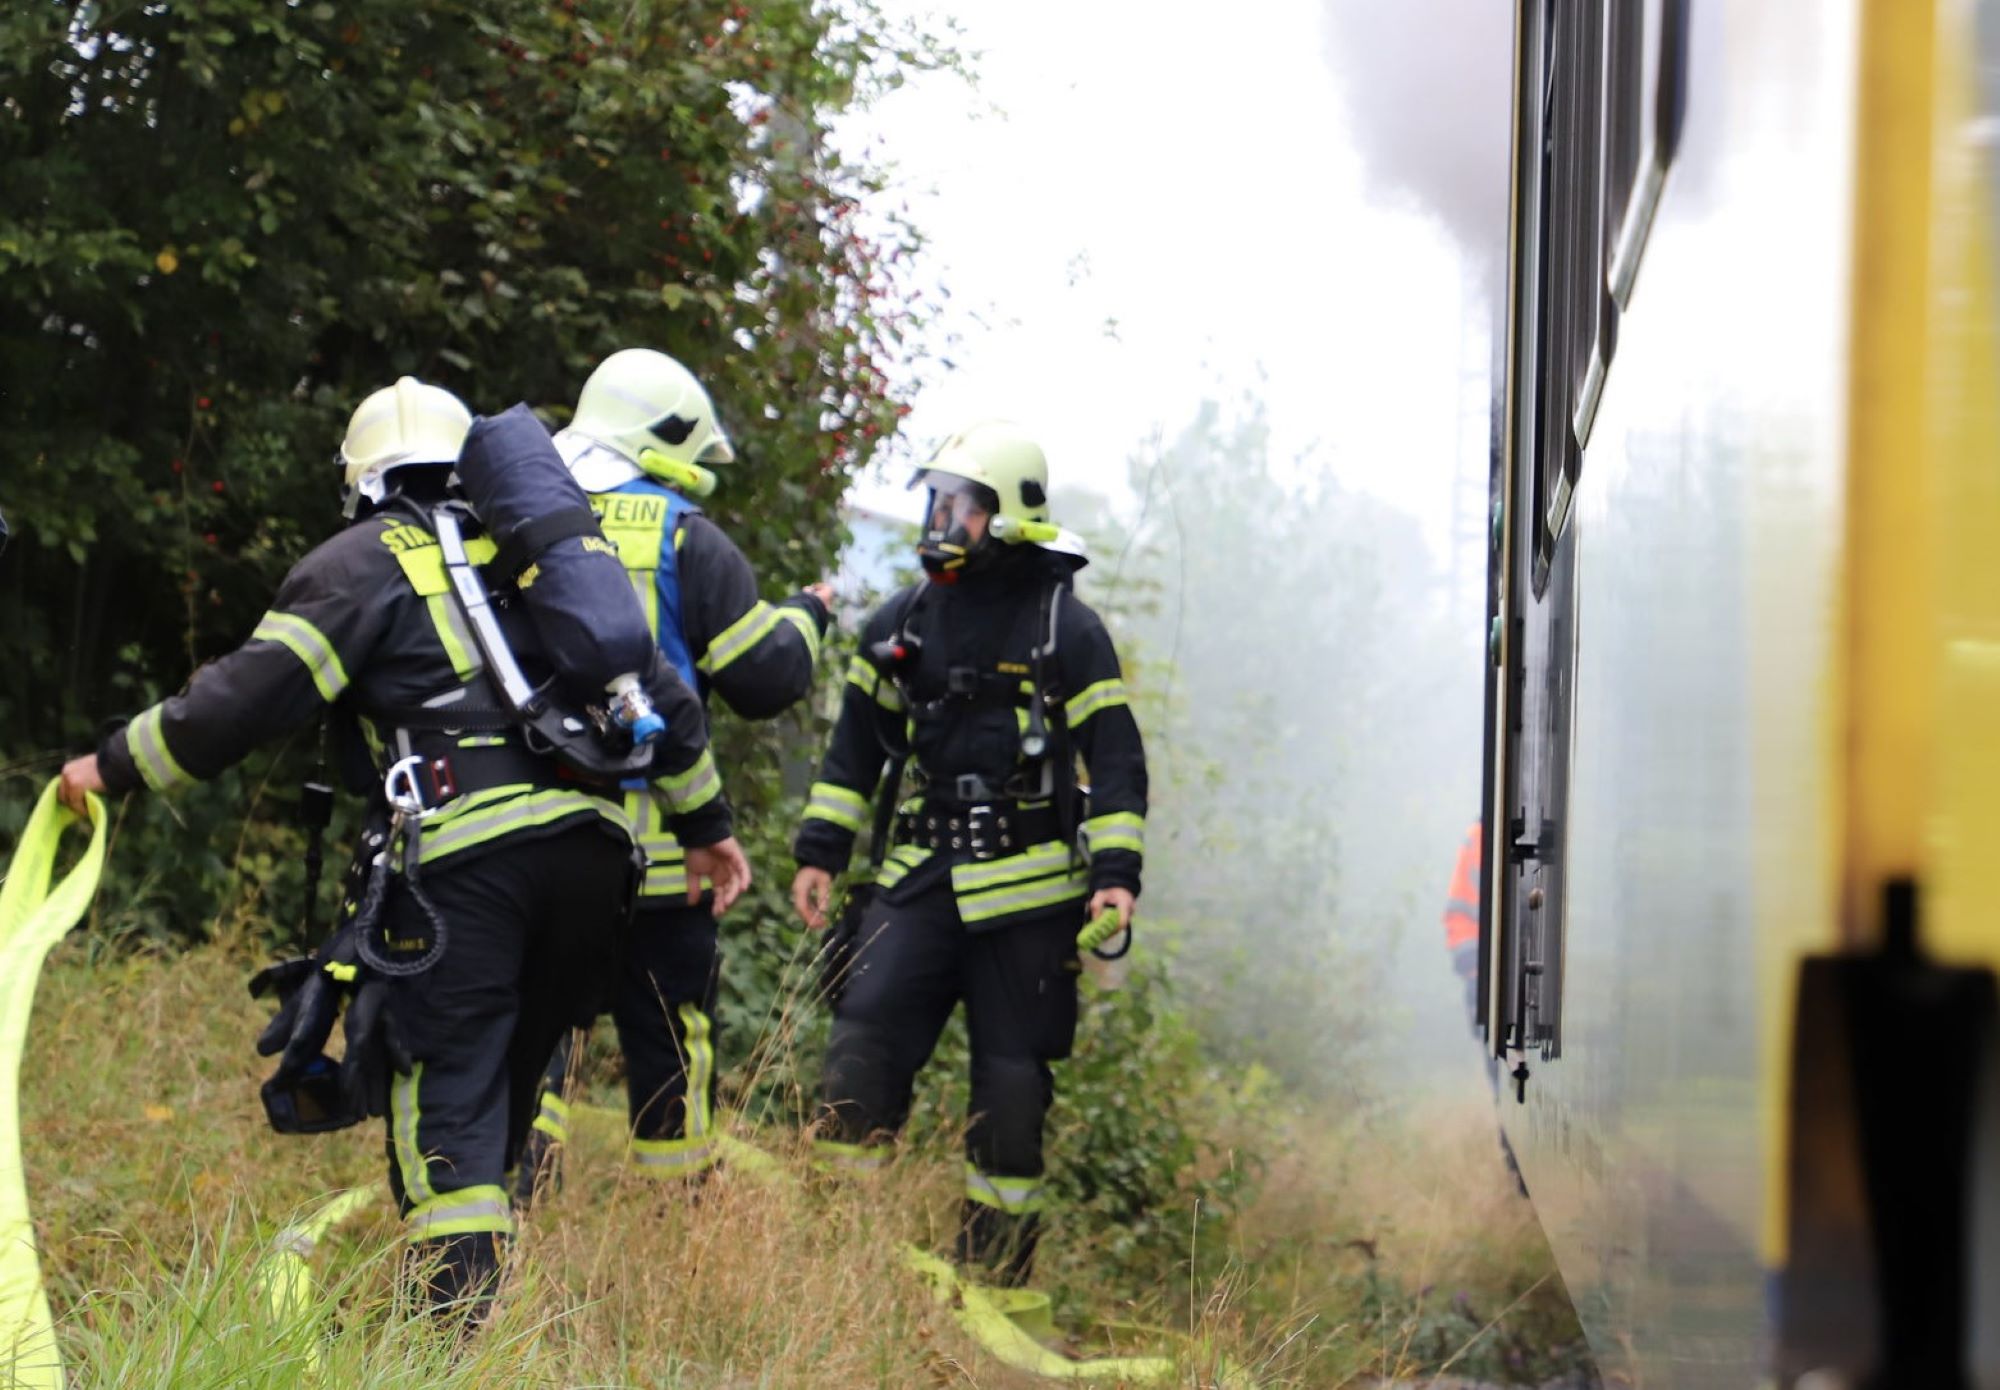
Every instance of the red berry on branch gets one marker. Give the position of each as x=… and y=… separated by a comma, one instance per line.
x=216, y=486
x=176, y=465
x=201, y=402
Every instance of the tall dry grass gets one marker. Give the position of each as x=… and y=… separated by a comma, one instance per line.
x=1370, y=1251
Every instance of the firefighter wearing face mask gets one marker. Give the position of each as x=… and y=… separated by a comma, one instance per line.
x=995, y=681
x=511, y=879
x=643, y=442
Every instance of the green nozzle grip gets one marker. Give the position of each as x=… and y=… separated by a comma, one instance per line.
x=1101, y=929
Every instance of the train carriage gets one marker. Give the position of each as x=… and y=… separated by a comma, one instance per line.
x=1743, y=708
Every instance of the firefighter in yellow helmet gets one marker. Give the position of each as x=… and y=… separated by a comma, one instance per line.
x=994, y=681
x=498, y=928
x=644, y=442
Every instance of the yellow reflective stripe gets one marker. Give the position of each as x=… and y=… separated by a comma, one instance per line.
x=664, y=881
x=1015, y=1196
x=1033, y=862
x=404, y=1112
x=423, y=563
x=700, y=1068
x=554, y=1117
x=500, y=811
x=674, y=1158
x=808, y=629
x=309, y=645
x=1116, y=830
x=862, y=674
x=1004, y=902
x=464, y=1212
x=146, y=741
x=693, y=789
x=647, y=588
x=739, y=637
x=665, y=874
x=898, y=865
x=841, y=806
x=451, y=632
x=831, y=1155
x=1093, y=698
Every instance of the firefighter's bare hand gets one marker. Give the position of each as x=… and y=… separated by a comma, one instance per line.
x=1120, y=898
x=80, y=777
x=810, y=891
x=725, y=868
x=822, y=591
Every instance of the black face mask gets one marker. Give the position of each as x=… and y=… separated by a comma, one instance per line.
x=947, y=546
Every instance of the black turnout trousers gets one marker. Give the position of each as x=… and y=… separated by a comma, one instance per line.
x=914, y=961
x=533, y=932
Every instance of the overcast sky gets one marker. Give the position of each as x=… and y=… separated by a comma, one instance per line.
x=1143, y=204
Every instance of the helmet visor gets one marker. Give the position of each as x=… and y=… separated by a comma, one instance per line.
x=957, y=517
x=958, y=504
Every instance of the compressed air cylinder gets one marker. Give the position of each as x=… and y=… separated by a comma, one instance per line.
x=570, y=578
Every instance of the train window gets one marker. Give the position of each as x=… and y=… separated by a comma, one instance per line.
x=1669, y=113
x=1571, y=275
x=1599, y=193
x=1600, y=96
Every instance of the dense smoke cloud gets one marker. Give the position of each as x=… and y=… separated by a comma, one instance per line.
x=1426, y=84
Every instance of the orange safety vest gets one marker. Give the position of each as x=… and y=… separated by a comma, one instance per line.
x=1461, y=910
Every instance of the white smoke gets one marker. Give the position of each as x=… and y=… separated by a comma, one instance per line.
x=1427, y=85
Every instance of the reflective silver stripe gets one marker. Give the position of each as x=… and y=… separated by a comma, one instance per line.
x=1118, y=830
x=1093, y=698
x=901, y=860
x=147, y=743
x=739, y=637
x=1016, y=1196
x=695, y=788
x=519, y=812
x=444, y=1216
x=700, y=1069
x=839, y=805
x=673, y=1155
x=309, y=645
x=861, y=673
x=1041, y=859
x=863, y=1158
x=979, y=907
x=403, y=1115
x=808, y=629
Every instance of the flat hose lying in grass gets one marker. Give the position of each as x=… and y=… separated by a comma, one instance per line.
x=33, y=917
x=1010, y=1325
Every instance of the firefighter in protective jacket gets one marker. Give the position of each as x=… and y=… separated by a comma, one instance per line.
x=995, y=680
x=642, y=442
x=520, y=875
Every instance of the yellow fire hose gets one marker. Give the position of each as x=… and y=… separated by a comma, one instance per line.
x=33, y=918
x=284, y=1274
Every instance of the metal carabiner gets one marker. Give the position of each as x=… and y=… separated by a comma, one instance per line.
x=404, y=795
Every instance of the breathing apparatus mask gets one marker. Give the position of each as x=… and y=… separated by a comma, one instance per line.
x=958, y=523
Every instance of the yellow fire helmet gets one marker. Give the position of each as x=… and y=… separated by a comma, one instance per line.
x=994, y=468
x=646, y=413
x=408, y=423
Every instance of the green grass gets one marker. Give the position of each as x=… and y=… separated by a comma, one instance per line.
x=156, y=1188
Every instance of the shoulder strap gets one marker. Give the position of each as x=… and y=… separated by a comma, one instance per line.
x=548, y=729
x=1051, y=715
x=528, y=540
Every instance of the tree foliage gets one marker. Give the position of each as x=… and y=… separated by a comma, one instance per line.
x=222, y=224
